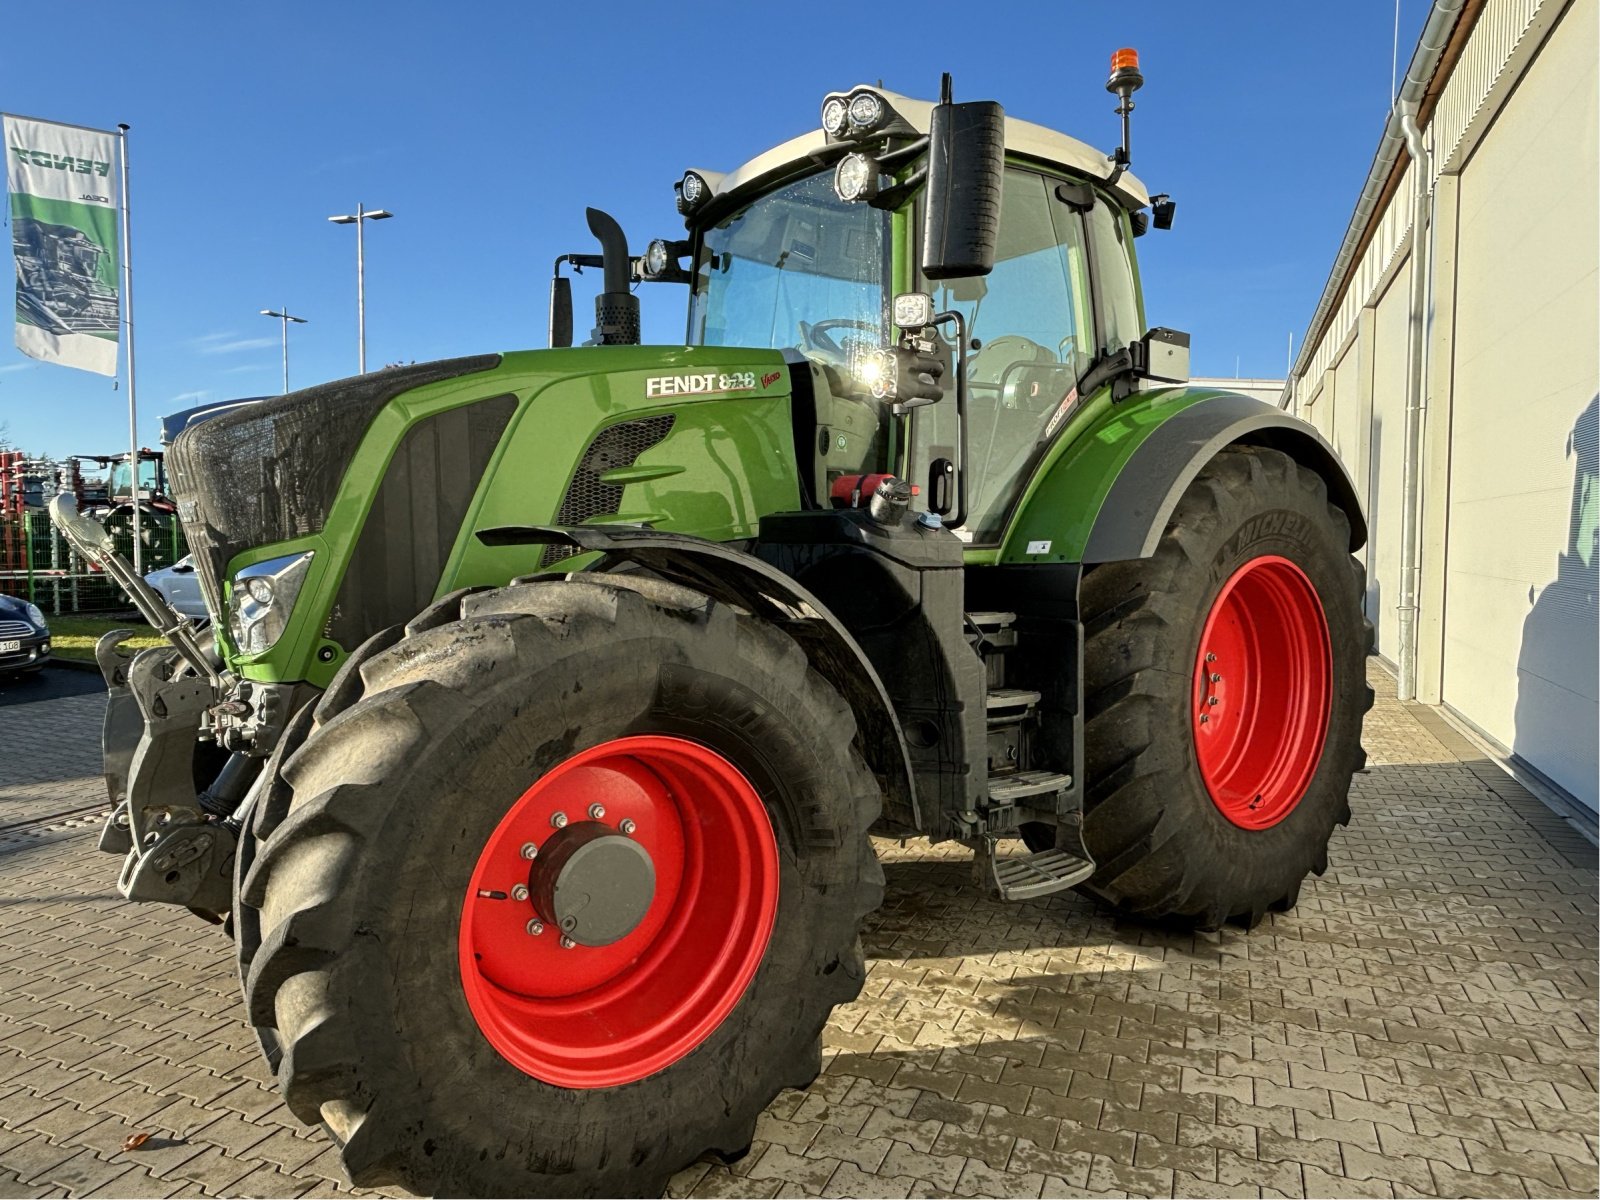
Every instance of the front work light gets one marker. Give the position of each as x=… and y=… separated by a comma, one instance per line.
x=913, y=311
x=856, y=178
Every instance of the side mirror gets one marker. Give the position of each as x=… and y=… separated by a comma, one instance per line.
x=1163, y=354
x=966, y=168
x=560, y=312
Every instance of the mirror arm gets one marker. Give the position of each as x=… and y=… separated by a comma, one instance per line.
x=892, y=198
x=1104, y=369
x=905, y=154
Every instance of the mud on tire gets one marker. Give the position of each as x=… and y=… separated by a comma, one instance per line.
x=365, y=835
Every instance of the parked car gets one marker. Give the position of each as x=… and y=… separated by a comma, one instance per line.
x=24, y=636
x=180, y=587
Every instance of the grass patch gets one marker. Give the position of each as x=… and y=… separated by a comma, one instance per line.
x=74, y=637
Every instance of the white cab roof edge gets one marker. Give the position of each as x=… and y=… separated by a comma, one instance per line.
x=1022, y=138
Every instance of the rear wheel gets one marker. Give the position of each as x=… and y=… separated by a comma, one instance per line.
x=1224, y=691
x=562, y=901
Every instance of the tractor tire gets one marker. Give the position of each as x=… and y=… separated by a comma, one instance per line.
x=446, y=1032
x=1225, y=686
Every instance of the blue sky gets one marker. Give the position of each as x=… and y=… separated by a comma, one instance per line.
x=487, y=127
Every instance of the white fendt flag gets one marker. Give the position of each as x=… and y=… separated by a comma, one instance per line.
x=64, y=232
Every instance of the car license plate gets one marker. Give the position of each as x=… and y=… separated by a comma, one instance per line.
x=10, y=647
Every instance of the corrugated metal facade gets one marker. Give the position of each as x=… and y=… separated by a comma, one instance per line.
x=1509, y=474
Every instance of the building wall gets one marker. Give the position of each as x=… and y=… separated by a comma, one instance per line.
x=1520, y=628
x=1510, y=471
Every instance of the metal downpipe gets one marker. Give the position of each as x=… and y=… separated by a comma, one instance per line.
x=1416, y=400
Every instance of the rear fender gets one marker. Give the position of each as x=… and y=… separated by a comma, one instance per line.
x=731, y=576
x=1109, y=494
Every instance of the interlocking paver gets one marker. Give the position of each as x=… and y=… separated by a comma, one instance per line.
x=1421, y=1024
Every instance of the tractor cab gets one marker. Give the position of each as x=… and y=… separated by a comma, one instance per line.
x=805, y=248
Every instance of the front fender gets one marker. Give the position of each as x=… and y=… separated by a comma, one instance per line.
x=733, y=577
x=1108, y=493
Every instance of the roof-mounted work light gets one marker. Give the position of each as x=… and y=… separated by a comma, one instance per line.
x=860, y=113
x=856, y=177
x=693, y=191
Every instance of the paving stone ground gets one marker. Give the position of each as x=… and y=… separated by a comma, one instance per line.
x=1422, y=1024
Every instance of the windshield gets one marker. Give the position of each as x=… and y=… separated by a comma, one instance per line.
x=149, y=480
x=797, y=269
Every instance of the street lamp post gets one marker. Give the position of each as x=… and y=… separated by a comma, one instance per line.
x=359, y=219
x=283, y=316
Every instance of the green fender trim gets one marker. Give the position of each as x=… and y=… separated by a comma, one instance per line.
x=1105, y=490
x=1052, y=521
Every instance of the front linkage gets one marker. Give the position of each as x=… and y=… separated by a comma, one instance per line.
x=182, y=742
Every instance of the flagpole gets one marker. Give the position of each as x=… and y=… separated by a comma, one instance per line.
x=127, y=321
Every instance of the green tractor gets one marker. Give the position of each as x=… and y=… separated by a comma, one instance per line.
x=554, y=697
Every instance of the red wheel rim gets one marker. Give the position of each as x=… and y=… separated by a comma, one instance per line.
x=603, y=1015
x=1262, y=692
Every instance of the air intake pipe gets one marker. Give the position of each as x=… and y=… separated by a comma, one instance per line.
x=616, y=309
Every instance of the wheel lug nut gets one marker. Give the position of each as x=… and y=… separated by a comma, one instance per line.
x=1204, y=717
x=1216, y=679
x=559, y=820
x=536, y=927
x=529, y=850
x=1213, y=700
x=520, y=892
x=567, y=943
x=627, y=826
x=596, y=811
x=1211, y=658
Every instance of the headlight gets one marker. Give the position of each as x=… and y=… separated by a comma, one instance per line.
x=899, y=375
x=36, y=616
x=261, y=600
x=856, y=178
x=876, y=371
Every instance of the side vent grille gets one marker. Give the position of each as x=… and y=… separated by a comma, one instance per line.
x=587, y=497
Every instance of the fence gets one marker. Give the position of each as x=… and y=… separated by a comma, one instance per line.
x=40, y=565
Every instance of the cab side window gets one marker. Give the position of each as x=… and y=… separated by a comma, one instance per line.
x=1116, y=296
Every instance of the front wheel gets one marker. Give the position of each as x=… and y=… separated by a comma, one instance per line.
x=1224, y=693
x=565, y=898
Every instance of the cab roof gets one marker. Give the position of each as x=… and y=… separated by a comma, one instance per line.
x=1023, y=138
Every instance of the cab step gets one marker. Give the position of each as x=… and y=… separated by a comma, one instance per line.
x=1042, y=873
x=992, y=620
x=1006, y=698
x=1011, y=789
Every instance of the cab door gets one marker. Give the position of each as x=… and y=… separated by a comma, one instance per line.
x=1032, y=324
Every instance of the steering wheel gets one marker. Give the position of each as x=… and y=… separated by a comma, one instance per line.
x=820, y=335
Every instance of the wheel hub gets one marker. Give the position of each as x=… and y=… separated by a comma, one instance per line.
x=595, y=951
x=593, y=884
